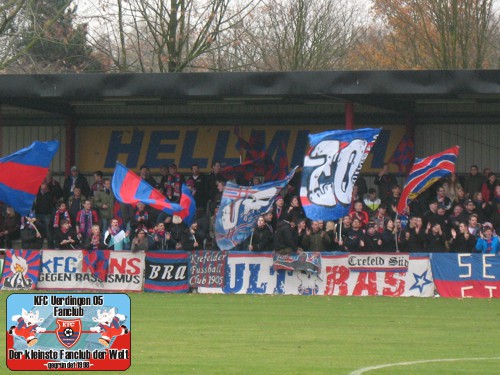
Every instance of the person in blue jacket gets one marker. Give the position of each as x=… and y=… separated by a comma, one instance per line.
x=487, y=243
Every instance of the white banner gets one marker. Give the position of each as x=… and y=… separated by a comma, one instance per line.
x=253, y=273
x=62, y=270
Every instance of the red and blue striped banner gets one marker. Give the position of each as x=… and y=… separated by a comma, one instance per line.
x=167, y=271
x=21, y=269
x=22, y=172
x=129, y=188
x=425, y=172
x=466, y=275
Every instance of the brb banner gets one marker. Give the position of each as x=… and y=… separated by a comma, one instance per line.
x=341, y=274
x=467, y=275
x=156, y=146
x=65, y=270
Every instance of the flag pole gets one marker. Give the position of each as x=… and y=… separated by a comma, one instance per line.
x=396, y=231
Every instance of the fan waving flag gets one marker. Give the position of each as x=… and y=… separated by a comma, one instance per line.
x=240, y=208
x=129, y=188
x=331, y=167
x=22, y=172
x=425, y=172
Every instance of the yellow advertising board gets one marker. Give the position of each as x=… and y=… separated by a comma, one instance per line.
x=100, y=147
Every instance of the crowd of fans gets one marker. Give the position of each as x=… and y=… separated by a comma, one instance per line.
x=454, y=215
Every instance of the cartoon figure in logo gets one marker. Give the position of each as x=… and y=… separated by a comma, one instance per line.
x=18, y=280
x=308, y=285
x=27, y=326
x=108, y=325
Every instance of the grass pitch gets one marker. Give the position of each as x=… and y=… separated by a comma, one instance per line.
x=262, y=334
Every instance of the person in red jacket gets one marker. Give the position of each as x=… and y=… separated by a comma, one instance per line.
x=360, y=214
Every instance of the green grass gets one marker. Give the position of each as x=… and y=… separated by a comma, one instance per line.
x=262, y=334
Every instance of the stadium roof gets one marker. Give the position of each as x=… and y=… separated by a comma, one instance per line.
x=278, y=98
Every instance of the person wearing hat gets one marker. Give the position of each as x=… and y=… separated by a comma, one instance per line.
x=435, y=240
x=371, y=240
x=75, y=179
x=488, y=242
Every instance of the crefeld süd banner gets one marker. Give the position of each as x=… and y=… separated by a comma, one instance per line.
x=67, y=332
x=65, y=270
x=344, y=274
x=156, y=146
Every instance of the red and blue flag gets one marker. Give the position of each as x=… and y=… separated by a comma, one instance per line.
x=404, y=154
x=22, y=172
x=129, y=188
x=466, y=275
x=425, y=172
x=96, y=262
x=279, y=170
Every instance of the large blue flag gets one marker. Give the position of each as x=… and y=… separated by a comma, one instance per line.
x=331, y=167
x=129, y=188
x=240, y=208
x=22, y=172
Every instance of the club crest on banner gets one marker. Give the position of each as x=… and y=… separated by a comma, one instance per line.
x=68, y=331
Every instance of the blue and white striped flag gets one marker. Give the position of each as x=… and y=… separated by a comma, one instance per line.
x=331, y=167
x=240, y=208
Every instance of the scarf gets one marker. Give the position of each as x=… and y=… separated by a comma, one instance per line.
x=86, y=222
x=114, y=231
x=61, y=214
x=95, y=242
x=138, y=214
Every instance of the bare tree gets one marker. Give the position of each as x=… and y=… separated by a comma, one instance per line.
x=300, y=35
x=163, y=36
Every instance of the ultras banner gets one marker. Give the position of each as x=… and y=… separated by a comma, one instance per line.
x=341, y=274
x=65, y=270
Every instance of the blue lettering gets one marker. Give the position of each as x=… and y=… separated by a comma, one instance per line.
x=238, y=278
x=57, y=263
x=156, y=147
x=254, y=276
x=280, y=279
x=187, y=152
x=300, y=148
x=275, y=144
x=221, y=147
x=380, y=148
x=69, y=264
x=46, y=266
x=116, y=147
